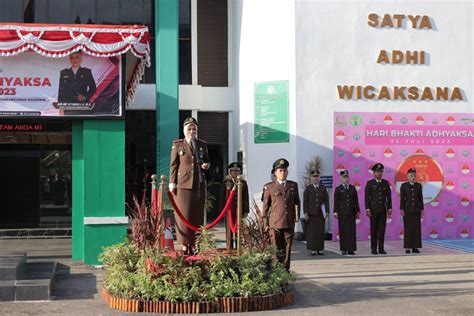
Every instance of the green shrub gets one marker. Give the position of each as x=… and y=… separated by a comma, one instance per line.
x=151, y=275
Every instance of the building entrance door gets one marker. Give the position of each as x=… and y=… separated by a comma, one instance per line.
x=35, y=173
x=19, y=195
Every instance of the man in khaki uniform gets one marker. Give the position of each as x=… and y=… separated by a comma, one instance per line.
x=281, y=196
x=189, y=160
x=235, y=169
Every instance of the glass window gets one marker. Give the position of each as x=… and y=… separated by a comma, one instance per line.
x=185, y=62
x=149, y=15
x=108, y=12
x=132, y=12
x=84, y=11
x=60, y=11
x=41, y=11
x=11, y=11
x=185, y=58
x=184, y=19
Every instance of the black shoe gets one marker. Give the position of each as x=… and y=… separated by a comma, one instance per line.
x=382, y=252
x=344, y=253
x=351, y=253
x=374, y=252
x=407, y=251
x=313, y=253
x=320, y=253
x=414, y=250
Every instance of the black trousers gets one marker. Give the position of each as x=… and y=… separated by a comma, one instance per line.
x=412, y=230
x=377, y=230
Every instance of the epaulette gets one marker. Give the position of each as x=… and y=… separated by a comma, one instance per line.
x=265, y=186
x=175, y=142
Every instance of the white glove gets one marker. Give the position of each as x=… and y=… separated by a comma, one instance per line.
x=172, y=186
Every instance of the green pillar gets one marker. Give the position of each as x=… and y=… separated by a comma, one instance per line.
x=98, y=151
x=167, y=80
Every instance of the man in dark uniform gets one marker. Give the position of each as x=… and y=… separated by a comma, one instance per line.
x=282, y=197
x=378, y=205
x=346, y=210
x=316, y=209
x=411, y=208
x=235, y=169
x=189, y=160
x=76, y=84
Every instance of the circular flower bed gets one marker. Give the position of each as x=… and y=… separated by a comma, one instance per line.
x=146, y=275
x=141, y=277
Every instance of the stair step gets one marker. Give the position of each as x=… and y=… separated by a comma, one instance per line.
x=36, y=282
x=7, y=291
x=12, y=265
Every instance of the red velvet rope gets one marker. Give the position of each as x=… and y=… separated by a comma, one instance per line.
x=221, y=215
x=232, y=224
x=211, y=225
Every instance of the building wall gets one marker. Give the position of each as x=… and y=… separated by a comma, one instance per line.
x=263, y=50
x=317, y=45
x=335, y=45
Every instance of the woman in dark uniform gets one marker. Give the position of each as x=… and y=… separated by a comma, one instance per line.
x=189, y=160
x=346, y=210
x=411, y=208
x=315, y=197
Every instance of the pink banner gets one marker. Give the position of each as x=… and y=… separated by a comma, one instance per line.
x=438, y=145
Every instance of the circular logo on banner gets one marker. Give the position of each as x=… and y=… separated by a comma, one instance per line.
x=355, y=120
x=340, y=121
x=428, y=173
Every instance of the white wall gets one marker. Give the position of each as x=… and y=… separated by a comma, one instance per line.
x=334, y=45
x=263, y=50
x=191, y=97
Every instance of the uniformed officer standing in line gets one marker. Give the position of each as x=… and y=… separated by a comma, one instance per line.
x=378, y=205
x=282, y=197
x=76, y=84
x=235, y=169
x=411, y=208
x=189, y=160
x=346, y=210
x=315, y=196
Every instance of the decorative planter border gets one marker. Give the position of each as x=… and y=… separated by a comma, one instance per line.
x=221, y=305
